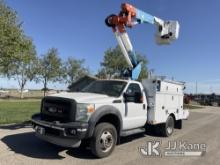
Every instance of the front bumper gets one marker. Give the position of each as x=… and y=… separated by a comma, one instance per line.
x=62, y=134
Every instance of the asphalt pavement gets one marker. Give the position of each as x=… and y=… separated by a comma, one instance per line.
x=19, y=146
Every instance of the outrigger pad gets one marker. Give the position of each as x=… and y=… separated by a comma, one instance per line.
x=136, y=71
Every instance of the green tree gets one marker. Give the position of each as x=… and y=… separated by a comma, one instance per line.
x=102, y=74
x=144, y=70
x=11, y=36
x=74, y=69
x=114, y=63
x=23, y=68
x=50, y=68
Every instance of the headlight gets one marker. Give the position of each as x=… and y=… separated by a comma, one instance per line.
x=84, y=111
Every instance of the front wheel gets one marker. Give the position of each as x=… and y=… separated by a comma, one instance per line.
x=104, y=140
x=167, y=128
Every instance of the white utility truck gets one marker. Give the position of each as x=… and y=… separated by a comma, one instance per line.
x=106, y=110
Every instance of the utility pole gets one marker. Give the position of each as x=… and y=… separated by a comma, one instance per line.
x=196, y=88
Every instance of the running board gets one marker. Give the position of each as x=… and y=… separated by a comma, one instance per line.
x=132, y=131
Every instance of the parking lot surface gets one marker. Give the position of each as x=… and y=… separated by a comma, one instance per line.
x=19, y=146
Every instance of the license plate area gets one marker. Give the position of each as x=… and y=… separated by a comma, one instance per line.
x=40, y=130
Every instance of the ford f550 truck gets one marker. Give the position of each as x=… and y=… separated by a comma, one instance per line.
x=106, y=110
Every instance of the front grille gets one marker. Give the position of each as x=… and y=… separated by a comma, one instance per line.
x=58, y=109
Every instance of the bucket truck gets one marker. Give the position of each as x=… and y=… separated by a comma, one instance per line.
x=106, y=110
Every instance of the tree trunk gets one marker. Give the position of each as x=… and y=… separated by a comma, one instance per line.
x=44, y=90
x=45, y=86
x=22, y=85
x=22, y=93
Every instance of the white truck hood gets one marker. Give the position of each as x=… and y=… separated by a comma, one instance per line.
x=82, y=97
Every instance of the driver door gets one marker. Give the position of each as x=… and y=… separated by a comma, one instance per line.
x=135, y=111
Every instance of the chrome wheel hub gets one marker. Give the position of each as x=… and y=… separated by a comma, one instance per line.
x=106, y=141
x=170, y=127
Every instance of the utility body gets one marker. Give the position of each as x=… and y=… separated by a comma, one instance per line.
x=106, y=110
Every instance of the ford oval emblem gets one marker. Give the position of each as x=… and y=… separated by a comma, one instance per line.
x=52, y=109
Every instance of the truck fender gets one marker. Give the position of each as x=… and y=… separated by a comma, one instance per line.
x=99, y=113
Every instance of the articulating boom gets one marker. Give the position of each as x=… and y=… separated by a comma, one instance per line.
x=129, y=16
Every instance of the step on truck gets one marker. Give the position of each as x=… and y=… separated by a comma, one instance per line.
x=106, y=110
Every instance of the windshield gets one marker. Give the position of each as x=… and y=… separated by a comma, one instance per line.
x=111, y=88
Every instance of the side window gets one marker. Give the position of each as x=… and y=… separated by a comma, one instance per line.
x=134, y=93
x=158, y=86
x=133, y=88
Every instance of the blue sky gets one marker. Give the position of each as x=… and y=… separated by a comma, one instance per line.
x=77, y=29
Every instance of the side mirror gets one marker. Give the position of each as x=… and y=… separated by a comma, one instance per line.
x=133, y=97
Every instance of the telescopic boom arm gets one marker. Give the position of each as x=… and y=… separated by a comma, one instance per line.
x=129, y=16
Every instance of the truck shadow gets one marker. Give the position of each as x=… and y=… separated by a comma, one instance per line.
x=81, y=153
x=28, y=145
x=85, y=153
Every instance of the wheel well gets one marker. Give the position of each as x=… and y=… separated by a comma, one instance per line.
x=173, y=116
x=113, y=119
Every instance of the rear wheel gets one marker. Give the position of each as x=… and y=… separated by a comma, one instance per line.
x=104, y=140
x=168, y=127
x=179, y=124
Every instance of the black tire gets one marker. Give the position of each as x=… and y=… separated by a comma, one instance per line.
x=104, y=140
x=167, y=128
x=179, y=124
